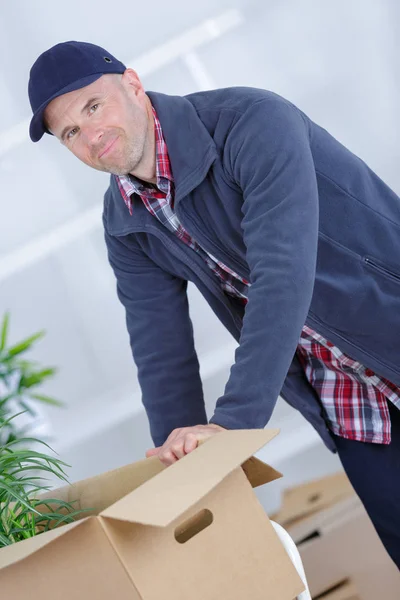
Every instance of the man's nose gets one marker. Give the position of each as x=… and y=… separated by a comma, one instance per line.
x=92, y=134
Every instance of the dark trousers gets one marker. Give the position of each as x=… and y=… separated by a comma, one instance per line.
x=374, y=471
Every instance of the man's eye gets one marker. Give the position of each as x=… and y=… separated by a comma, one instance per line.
x=94, y=107
x=71, y=133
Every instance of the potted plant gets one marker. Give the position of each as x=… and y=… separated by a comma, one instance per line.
x=19, y=382
x=23, y=467
x=23, y=473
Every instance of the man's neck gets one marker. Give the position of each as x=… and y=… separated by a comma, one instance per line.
x=146, y=170
x=146, y=175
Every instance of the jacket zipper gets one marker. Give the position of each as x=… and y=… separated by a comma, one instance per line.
x=231, y=263
x=205, y=275
x=381, y=268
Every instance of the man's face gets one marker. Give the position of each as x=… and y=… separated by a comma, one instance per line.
x=105, y=124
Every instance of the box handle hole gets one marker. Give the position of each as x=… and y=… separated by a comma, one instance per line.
x=314, y=498
x=307, y=538
x=193, y=526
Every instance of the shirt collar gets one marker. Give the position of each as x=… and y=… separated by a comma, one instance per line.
x=128, y=184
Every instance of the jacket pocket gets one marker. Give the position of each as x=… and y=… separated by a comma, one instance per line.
x=382, y=268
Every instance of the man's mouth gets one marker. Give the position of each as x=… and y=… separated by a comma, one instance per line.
x=107, y=148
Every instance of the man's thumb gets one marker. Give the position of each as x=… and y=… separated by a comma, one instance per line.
x=152, y=452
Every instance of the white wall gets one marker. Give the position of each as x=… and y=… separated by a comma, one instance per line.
x=338, y=60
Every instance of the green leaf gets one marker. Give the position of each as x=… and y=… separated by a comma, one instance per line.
x=16, y=494
x=51, y=502
x=26, y=365
x=25, y=344
x=46, y=399
x=27, y=440
x=31, y=379
x=6, y=399
x=9, y=419
x=30, y=457
x=4, y=541
x=28, y=409
x=4, y=331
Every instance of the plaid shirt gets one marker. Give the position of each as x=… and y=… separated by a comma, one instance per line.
x=354, y=398
x=159, y=201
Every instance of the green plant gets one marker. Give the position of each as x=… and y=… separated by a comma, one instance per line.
x=22, y=476
x=19, y=380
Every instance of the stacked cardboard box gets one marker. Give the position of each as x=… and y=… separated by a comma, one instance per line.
x=341, y=552
x=345, y=590
x=192, y=531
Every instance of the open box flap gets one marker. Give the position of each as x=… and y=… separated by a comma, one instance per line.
x=172, y=492
x=97, y=493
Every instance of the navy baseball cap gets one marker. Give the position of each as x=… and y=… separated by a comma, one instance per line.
x=64, y=68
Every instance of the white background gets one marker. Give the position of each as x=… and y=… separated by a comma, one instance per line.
x=337, y=60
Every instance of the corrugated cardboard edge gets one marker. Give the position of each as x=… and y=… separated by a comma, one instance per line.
x=164, y=498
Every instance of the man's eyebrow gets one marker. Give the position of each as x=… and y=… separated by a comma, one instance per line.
x=91, y=101
x=64, y=131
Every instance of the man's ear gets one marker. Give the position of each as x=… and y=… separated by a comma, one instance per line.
x=131, y=79
x=45, y=122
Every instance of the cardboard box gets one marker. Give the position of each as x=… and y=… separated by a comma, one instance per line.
x=192, y=531
x=307, y=499
x=338, y=542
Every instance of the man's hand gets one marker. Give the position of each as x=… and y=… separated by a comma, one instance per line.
x=182, y=441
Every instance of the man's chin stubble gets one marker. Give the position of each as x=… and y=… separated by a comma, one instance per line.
x=115, y=169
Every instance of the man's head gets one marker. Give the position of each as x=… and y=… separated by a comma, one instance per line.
x=93, y=104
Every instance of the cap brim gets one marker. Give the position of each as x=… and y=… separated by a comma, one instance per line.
x=36, y=127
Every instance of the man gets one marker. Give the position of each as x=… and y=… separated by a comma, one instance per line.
x=293, y=241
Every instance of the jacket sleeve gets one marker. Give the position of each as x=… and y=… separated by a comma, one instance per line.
x=267, y=155
x=161, y=337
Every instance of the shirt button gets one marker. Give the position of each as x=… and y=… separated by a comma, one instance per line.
x=369, y=373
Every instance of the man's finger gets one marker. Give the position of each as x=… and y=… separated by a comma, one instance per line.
x=153, y=452
x=177, y=447
x=167, y=457
x=173, y=435
x=191, y=443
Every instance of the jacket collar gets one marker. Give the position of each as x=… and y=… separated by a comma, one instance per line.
x=191, y=151
x=191, y=148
